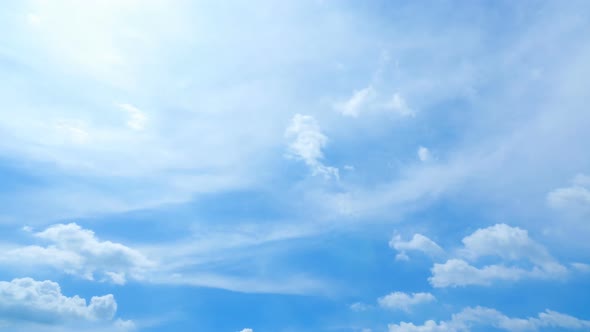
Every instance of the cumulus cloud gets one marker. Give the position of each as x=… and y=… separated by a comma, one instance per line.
x=470, y=317
x=418, y=242
x=511, y=245
x=78, y=251
x=403, y=301
x=457, y=272
x=42, y=302
x=247, y=330
x=307, y=142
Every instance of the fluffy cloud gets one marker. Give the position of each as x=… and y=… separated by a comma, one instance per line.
x=486, y=317
x=418, y=242
x=42, y=302
x=247, y=330
x=307, y=144
x=457, y=272
x=510, y=244
x=403, y=301
x=78, y=251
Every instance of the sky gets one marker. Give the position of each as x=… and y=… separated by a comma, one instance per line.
x=309, y=165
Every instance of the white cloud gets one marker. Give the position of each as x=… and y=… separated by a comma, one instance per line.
x=297, y=284
x=307, y=144
x=511, y=245
x=247, y=330
x=68, y=131
x=365, y=99
x=404, y=301
x=124, y=325
x=576, y=196
x=42, y=302
x=469, y=318
x=192, y=262
x=418, y=242
x=429, y=326
x=355, y=104
x=136, y=118
x=582, y=267
x=399, y=105
x=359, y=306
x=562, y=197
x=457, y=272
x=78, y=251
x=183, y=149
x=423, y=154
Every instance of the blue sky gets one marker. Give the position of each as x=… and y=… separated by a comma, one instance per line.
x=314, y=165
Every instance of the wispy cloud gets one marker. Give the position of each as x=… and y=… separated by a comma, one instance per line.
x=575, y=197
x=307, y=142
x=136, y=118
x=486, y=317
x=78, y=251
x=418, y=242
x=354, y=106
